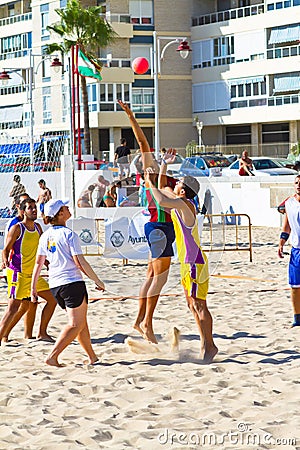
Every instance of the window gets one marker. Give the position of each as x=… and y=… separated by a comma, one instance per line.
x=47, y=115
x=275, y=132
x=104, y=96
x=141, y=11
x=143, y=100
x=211, y=97
x=223, y=46
x=202, y=54
x=44, y=10
x=249, y=87
x=65, y=103
x=238, y=134
x=143, y=51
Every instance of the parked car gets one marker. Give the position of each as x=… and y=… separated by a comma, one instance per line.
x=286, y=163
x=204, y=166
x=171, y=167
x=262, y=166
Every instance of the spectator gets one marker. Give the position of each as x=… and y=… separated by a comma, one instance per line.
x=122, y=154
x=110, y=196
x=99, y=190
x=17, y=189
x=85, y=199
x=43, y=197
x=246, y=165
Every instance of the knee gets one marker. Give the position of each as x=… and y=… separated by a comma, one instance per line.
x=199, y=305
x=13, y=308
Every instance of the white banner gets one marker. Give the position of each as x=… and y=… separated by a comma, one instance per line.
x=125, y=237
x=85, y=228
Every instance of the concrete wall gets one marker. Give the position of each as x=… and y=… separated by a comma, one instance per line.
x=258, y=196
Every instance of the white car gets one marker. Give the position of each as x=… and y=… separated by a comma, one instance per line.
x=262, y=166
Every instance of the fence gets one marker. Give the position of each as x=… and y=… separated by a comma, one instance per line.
x=229, y=223
x=235, y=236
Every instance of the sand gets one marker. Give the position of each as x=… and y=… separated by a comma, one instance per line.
x=164, y=398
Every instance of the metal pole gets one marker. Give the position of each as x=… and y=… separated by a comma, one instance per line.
x=31, y=127
x=156, y=97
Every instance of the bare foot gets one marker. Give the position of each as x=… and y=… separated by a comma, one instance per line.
x=137, y=327
x=148, y=334
x=45, y=338
x=53, y=362
x=208, y=355
x=91, y=361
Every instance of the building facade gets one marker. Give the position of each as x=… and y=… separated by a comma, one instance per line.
x=241, y=81
x=246, y=73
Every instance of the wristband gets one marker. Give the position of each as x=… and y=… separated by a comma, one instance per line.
x=284, y=235
x=164, y=161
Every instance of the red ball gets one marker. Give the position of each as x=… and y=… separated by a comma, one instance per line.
x=140, y=65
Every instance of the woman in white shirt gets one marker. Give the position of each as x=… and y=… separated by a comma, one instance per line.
x=61, y=247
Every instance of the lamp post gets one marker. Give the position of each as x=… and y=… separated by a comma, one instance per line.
x=158, y=56
x=199, y=126
x=32, y=71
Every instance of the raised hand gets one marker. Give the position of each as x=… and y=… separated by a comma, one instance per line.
x=170, y=156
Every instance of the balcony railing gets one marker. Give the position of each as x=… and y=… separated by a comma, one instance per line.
x=14, y=54
x=230, y=14
x=18, y=89
x=283, y=52
x=10, y=125
x=14, y=19
x=116, y=62
x=276, y=100
x=119, y=18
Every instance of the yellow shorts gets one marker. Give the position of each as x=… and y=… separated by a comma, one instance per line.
x=19, y=284
x=195, y=279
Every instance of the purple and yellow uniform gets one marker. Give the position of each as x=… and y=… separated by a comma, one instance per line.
x=20, y=269
x=193, y=262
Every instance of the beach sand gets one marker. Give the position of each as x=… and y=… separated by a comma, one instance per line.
x=164, y=398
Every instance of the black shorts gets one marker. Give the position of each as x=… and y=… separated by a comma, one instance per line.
x=70, y=295
x=160, y=237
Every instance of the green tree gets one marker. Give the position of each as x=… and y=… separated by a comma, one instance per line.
x=86, y=28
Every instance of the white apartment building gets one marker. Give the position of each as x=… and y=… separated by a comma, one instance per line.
x=242, y=79
x=246, y=73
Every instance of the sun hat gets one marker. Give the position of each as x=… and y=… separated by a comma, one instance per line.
x=53, y=206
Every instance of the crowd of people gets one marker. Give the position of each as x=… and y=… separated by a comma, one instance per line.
x=173, y=217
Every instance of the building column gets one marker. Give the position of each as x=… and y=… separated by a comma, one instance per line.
x=255, y=140
x=294, y=138
x=114, y=141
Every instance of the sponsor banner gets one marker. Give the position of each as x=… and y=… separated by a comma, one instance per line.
x=125, y=238
x=85, y=228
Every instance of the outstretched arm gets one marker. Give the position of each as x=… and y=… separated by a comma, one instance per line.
x=147, y=157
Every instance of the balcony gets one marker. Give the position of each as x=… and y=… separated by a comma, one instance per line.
x=14, y=19
x=283, y=52
x=230, y=14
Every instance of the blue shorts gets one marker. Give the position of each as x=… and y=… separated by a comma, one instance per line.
x=160, y=237
x=294, y=268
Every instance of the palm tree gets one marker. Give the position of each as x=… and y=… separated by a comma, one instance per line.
x=86, y=28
